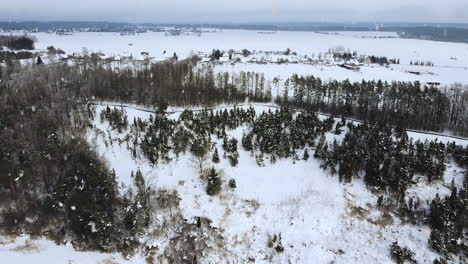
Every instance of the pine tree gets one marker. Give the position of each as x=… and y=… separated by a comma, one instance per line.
x=259, y=159
x=319, y=151
x=234, y=158
x=306, y=155
x=232, y=184
x=215, y=157
x=214, y=183
x=247, y=142
x=39, y=61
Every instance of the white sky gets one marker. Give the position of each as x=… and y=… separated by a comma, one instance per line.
x=237, y=11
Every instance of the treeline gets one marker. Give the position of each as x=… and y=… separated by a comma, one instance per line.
x=11, y=55
x=176, y=83
x=383, y=60
x=23, y=42
x=339, y=54
x=422, y=63
x=406, y=104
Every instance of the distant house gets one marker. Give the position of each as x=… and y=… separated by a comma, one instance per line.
x=224, y=58
x=349, y=67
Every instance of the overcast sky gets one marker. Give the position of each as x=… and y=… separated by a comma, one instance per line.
x=247, y=11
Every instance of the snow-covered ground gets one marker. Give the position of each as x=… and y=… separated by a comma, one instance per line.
x=304, y=43
x=394, y=72
x=450, y=59
x=320, y=220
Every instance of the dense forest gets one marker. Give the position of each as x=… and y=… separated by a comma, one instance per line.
x=406, y=104
x=23, y=42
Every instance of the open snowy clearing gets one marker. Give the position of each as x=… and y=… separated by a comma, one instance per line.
x=320, y=220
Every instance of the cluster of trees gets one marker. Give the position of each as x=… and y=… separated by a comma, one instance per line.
x=53, y=51
x=11, y=55
x=116, y=118
x=385, y=157
x=159, y=136
x=383, y=60
x=448, y=219
x=280, y=135
x=216, y=54
x=422, y=63
x=406, y=104
x=340, y=54
x=23, y=42
x=52, y=180
x=176, y=83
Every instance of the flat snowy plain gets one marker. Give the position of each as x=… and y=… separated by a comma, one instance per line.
x=450, y=59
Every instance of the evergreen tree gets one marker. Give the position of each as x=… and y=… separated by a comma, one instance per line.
x=214, y=183
x=305, y=156
x=319, y=150
x=215, y=157
x=232, y=184
x=39, y=61
x=234, y=158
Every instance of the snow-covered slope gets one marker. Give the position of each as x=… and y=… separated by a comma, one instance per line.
x=319, y=219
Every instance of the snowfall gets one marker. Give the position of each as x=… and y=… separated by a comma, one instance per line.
x=320, y=219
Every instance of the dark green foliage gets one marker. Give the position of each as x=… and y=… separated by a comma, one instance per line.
x=214, y=183
x=401, y=255
x=17, y=42
x=116, y=118
x=279, y=133
x=10, y=55
x=275, y=243
x=232, y=184
x=216, y=54
x=321, y=148
x=384, y=155
x=247, y=142
x=246, y=52
x=407, y=104
x=88, y=192
x=233, y=159
x=448, y=219
x=439, y=261
x=215, y=157
x=260, y=160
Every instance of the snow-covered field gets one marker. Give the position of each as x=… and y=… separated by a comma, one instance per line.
x=450, y=59
x=304, y=43
x=394, y=72
x=320, y=220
